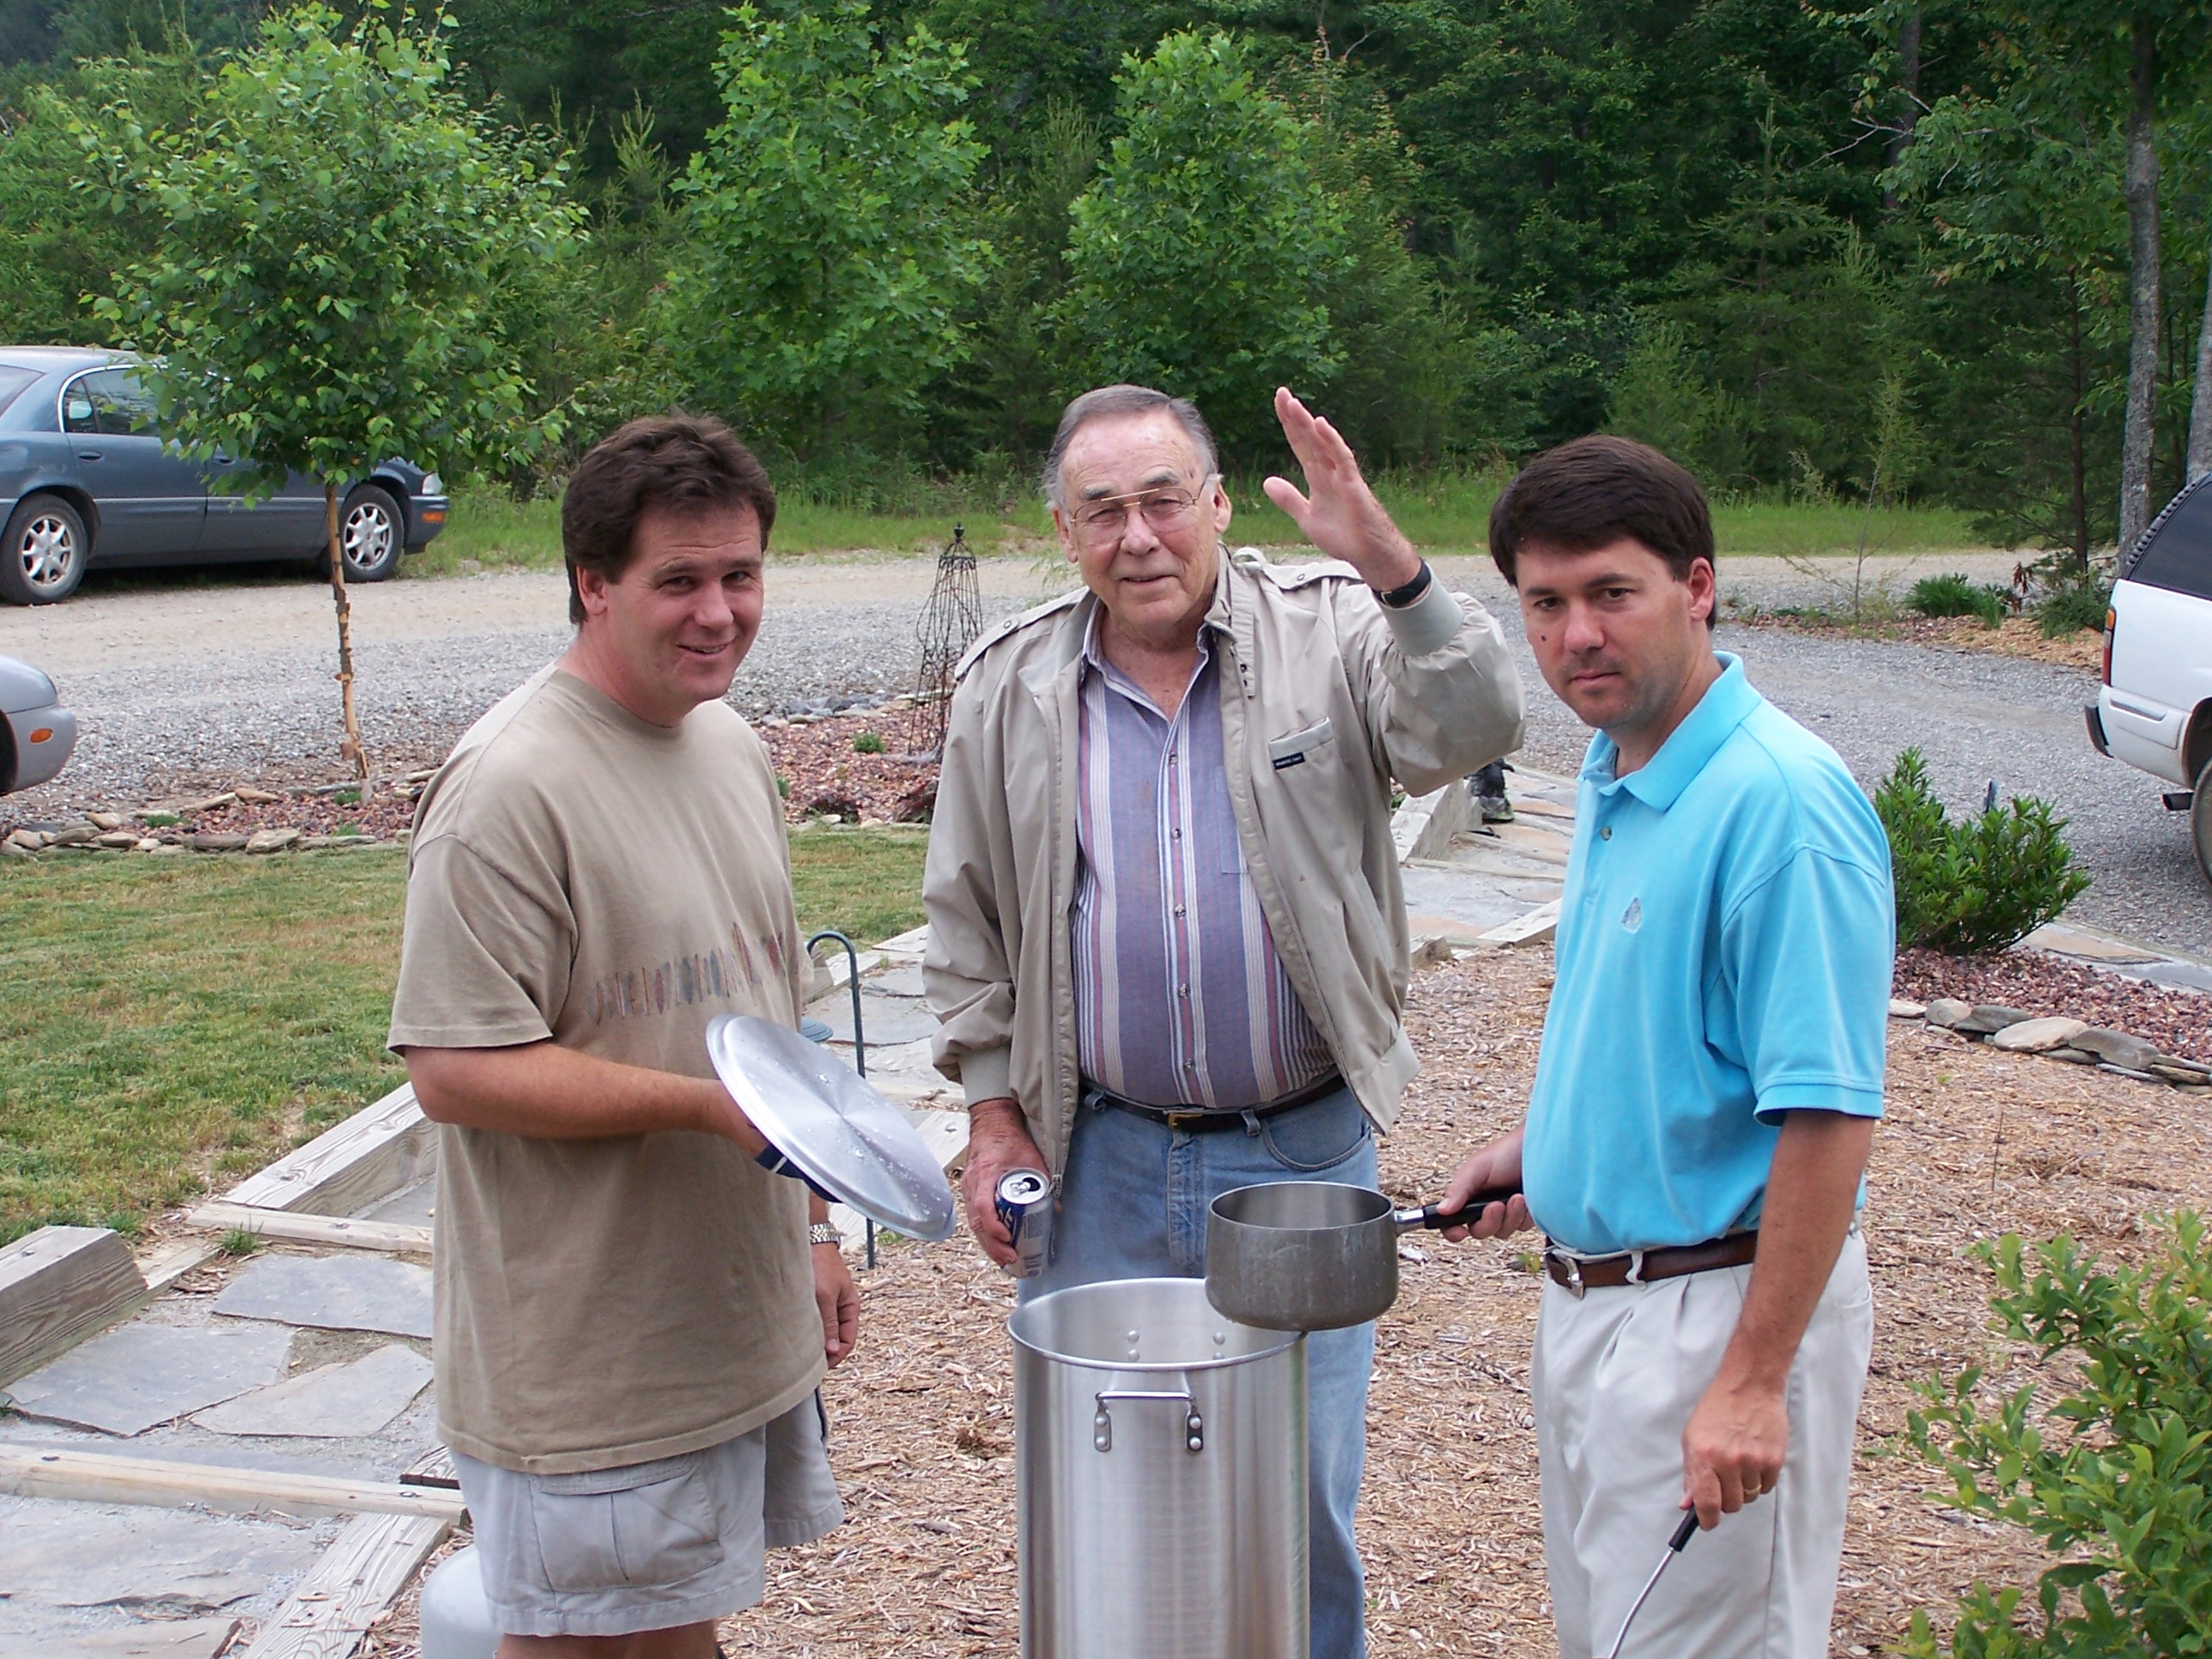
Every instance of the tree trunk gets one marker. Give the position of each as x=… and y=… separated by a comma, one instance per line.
x=1908, y=85
x=2200, y=403
x=2141, y=182
x=2077, y=424
x=351, y=747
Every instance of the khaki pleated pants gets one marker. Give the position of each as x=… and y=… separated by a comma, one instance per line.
x=1615, y=1376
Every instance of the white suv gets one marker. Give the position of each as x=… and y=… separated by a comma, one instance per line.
x=2154, y=709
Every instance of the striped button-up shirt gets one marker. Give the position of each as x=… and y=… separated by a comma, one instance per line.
x=1180, y=997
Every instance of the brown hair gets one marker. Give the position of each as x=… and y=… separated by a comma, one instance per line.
x=1597, y=489
x=682, y=464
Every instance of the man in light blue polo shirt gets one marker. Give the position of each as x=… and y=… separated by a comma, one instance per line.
x=1706, y=1095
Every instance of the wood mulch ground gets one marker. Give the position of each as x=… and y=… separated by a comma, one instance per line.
x=2178, y=1020
x=2015, y=636
x=822, y=773
x=1975, y=1143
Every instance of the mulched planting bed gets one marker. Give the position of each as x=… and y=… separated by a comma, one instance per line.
x=2178, y=1020
x=826, y=775
x=1977, y=1143
x=2015, y=636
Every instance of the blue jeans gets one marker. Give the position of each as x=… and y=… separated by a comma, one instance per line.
x=1132, y=1205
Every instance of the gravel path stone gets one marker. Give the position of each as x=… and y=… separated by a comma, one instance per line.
x=204, y=684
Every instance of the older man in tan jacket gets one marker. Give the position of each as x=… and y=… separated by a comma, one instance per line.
x=1167, y=939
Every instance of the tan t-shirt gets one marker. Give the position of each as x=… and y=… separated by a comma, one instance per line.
x=581, y=874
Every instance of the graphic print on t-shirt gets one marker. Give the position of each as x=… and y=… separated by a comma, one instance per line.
x=714, y=975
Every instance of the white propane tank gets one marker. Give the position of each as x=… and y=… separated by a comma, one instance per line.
x=456, y=1619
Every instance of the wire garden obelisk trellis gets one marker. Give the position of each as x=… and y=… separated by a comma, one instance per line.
x=949, y=622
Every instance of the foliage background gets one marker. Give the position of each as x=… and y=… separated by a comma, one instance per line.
x=1842, y=250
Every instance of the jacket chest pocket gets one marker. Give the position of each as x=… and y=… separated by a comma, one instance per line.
x=1296, y=749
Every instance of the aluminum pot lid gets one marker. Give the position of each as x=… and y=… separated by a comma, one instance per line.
x=828, y=1121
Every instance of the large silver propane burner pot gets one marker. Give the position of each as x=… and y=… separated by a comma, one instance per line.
x=1160, y=1453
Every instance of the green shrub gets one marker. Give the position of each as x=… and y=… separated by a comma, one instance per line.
x=1976, y=885
x=1955, y=596
x=2112, y=1476
x=2074, y=604
x=868, y=743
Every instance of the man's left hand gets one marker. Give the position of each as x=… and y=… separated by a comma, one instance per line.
x=1341, y=518
x=834, y=1293
x=1733, y=1448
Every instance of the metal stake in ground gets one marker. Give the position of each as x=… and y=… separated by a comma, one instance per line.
x=949, y=622
x=853, y=984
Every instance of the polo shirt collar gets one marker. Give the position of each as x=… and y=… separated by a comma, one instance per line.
x=1659, y=782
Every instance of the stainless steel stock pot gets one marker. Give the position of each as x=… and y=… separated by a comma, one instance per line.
x=1160, y=1473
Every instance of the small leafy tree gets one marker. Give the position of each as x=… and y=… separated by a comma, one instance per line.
x=1200, y=254
x=833, y=238
x=337, y=229
x=2113, y=1475
x=1978, y=885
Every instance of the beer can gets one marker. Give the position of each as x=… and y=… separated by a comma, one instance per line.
x=1025, y=1203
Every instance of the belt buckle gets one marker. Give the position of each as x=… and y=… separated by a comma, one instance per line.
x=1181, y=1123
x=1573, y=1283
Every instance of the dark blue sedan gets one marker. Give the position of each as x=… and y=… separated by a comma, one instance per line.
x=86, y=483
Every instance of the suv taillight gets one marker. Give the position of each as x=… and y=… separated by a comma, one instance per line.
x=2112, y=619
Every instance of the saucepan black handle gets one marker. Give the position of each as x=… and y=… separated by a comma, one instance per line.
x=1469, y=1213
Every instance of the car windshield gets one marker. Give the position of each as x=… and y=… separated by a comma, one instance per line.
x=13, y=380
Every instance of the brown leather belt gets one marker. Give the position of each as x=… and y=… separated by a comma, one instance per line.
x=1191, y=1118
x=1578, y=1273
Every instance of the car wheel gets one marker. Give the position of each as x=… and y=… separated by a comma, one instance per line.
x=2200, y=820
x=371, y=534
x=44, y=551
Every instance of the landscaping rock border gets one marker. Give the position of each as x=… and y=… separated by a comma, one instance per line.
x=2073, y=1042
x=238, y=820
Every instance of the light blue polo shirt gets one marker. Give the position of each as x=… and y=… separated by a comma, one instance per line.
x=1723, y=958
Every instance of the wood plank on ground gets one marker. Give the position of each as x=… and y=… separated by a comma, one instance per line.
x=162, y=1638
x=102, y=1477
x=346, y=1592
x=392, y=1237
x=1532, y=928
x=58, y=1284
x=384, y=1148
x=167, y=1263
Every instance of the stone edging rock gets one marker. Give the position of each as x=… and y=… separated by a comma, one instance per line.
x=165, y=827
x=2073, y=1042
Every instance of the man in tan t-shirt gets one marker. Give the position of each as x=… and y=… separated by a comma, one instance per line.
x=631, y=1322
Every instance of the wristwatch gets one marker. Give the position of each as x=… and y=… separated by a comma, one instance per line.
x=823, y=1232
x=1399, y=598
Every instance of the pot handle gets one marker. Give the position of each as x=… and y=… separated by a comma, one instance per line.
x=1429, y=1216
x=1101, y=1422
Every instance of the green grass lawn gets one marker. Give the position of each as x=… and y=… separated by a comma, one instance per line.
x=1444, y=512
x=167, y=1021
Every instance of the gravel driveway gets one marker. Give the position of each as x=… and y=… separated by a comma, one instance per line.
x=199, y=683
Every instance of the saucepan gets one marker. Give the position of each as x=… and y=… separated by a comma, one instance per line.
x=1315, y=1256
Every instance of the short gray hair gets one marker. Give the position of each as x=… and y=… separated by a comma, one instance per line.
x=1112, y=402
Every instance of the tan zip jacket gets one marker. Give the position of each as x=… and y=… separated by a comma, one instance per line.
x=1325, y=698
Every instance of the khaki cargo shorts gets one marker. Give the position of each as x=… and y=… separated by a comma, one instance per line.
x=649, y=1545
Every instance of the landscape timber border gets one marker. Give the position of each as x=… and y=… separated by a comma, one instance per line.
x=359, y=1577
x=106, y=1477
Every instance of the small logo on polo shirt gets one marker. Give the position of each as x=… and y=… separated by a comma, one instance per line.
x=1632, y=917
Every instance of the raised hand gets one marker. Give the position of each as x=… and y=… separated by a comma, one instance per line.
x=1341, y=516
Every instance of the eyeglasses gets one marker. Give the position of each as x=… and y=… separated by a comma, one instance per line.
x=1101, y=523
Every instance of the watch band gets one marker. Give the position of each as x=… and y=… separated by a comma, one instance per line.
x=1399, y=598
x=823, y=1232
